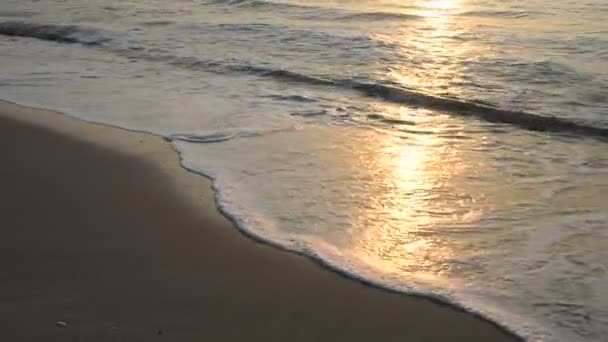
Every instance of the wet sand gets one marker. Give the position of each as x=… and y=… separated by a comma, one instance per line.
x=101, y=228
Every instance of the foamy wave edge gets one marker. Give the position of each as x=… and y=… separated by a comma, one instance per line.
x=258, y=228
x=317, y=251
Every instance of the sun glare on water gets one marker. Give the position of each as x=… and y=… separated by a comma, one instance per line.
x=441, y=4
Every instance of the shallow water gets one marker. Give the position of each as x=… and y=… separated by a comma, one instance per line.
x=454, y=149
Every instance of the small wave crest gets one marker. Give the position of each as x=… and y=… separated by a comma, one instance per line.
x=316, y=13
x=525, y=120
x=500, y=14
x=291, y=98
x=381, y=16
x=52, y=32
x=267, y=5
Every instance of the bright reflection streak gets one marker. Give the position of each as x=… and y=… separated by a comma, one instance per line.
x=441, y=4
x=420, y=197
x=422, y=192
x=434, y=56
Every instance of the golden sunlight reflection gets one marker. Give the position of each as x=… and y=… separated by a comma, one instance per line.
x=426, y=188
x=421, y=197
x=434, y=54
x=442, y=4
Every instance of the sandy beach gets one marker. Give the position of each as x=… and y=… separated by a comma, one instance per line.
x=103, y=230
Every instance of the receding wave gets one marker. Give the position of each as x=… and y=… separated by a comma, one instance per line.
x=57, y=33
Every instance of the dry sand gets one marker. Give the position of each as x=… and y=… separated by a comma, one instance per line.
x=101, y=228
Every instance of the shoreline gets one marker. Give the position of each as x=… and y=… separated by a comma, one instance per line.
x=193, y=274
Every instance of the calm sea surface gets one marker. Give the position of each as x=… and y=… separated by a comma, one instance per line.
x=455, y=149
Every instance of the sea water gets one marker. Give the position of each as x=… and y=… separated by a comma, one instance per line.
x=453, y=149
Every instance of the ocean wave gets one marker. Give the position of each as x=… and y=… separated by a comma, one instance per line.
x=525, y=120
x=501, y=14
x=314, y=12
x=475, y=109
x=291, y=98
x=53, y=32
x=271, y=6
x=373, y=88
x=227, y=66
x=380, y=16
x=311, y=113
x=302, y=40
